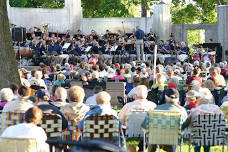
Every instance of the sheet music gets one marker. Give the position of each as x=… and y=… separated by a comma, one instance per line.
x=88, y=48
x=66, y=45
x=114, y=48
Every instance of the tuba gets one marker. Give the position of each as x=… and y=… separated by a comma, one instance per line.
x=45, y=28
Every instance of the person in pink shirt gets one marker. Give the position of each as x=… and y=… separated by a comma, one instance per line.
x=118, y=75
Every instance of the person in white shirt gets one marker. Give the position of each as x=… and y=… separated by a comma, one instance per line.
x=22, y=103
x=140, y=103
x=29, y=129
x=92, y=99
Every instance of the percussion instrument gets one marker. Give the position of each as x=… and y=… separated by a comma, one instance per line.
x=25, y=52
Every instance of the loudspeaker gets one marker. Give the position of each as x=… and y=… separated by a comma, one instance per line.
x=19, y=34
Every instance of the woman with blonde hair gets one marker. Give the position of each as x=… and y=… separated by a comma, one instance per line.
x=60, y=79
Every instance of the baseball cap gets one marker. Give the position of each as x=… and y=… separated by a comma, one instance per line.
x=172, y=93
x=41, y=93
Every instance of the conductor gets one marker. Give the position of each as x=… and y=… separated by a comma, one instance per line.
x=139, y=34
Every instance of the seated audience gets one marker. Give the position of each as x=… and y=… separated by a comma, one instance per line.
x=103, y=107
x=14, y=88
x=171, y=105
x=29, y=129
x=6, y=95
x=92, y=99
x=191, y=101
x=76, y=109
x=140, y=102
x=40, y=81
x=60, y=79
x=21, y=104
x=118, y=75
x=61, y=97
x=204, y=105
x=42, y=101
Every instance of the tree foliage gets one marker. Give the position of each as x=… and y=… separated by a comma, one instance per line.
x=198, y=11
x=37, y=3
x=104, y=8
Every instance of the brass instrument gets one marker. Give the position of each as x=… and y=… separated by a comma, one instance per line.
x=12, y=25
x=45, y=28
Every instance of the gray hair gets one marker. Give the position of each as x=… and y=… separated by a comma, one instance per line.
x=61, y=93
x=141, y=91
x=6, y=94
x=208, y=98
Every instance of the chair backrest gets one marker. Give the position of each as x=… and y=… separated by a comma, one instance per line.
x=104, y=127
x=18, y=145
x=116, y=89
x=52, y=125
x=133, y=124
x=208, y=129
x=72, y=132
x=225, y=111
x=76, y=83
x=164, y=127
x=10, y=118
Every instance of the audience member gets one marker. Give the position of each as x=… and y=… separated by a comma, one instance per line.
x=29, y=129
x=103, y=107
x=42, y=101
x=6, y=95
x=21, y=104
x=76, y=109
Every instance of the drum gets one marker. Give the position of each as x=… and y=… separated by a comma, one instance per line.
x=25, y=53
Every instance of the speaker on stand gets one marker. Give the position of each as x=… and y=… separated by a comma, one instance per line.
x=19, y=35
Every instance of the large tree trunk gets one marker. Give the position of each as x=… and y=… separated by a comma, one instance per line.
x=8, y=66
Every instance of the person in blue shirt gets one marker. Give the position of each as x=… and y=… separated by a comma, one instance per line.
x=139, y=34
x=51, y=47
x=160, y=46
x=95, y=48
x=58, y=48
x=36, y=47
x=184, y=48
x=77, y=49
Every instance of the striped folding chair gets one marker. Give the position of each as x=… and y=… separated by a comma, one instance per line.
x=164, y=128
x=225, y=111
x=72, y=133
x=133, y=124
x=102, y=127
x=52, y=125
x=18, y=145
x=208, y=130
x=10, y=118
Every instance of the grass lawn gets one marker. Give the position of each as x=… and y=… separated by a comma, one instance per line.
x=185, y=147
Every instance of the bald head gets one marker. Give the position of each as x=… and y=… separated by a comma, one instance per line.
x=61, y=93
